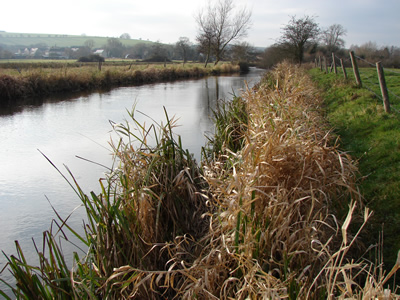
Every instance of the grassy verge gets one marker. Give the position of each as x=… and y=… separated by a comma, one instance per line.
x=273, y=212
x=17, y=83
x=372, y=137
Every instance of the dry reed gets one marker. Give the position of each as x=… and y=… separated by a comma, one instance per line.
x=278, y=226
x=276, y=214
x=40, y=82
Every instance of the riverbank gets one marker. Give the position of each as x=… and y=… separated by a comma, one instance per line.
x=272, y=212
x=21, y=83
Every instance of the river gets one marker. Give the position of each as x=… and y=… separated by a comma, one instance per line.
x=67, y=130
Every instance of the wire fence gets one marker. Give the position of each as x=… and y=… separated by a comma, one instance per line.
x=373, y=80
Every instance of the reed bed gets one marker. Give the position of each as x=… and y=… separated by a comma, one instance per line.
x=271, y=212
x=39, y=82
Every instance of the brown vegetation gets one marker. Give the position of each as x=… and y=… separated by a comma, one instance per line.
x=42, y=82
x=277, y=216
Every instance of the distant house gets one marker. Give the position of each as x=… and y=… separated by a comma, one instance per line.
x=100, y=52
x=26, y=53
x=56, y=53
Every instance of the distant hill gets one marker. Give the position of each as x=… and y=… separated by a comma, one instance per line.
x=12, y=39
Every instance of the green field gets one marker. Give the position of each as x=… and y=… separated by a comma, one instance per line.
x=369, y=79
x=60, y=40
x=372, y=138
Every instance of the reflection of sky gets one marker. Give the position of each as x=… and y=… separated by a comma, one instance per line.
x=81, y=127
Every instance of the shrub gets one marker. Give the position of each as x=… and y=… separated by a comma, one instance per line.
x=91, y=58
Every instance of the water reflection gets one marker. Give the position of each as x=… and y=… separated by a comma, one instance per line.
x=80, y=126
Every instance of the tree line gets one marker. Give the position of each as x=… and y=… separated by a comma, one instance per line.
x=302, y=39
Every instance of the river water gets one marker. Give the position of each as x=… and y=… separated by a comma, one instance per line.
x=65, y=131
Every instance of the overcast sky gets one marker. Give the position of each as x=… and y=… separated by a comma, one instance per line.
x=165, y=21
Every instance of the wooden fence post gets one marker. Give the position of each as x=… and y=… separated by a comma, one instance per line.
x=319, y=62
x=334, y=63
x=325, y=65
x=382, y=83
x=355, y=69
x=343, y=68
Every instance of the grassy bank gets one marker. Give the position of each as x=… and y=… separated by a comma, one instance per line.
x=272, y=212
x=17, y=83
x=372, y=137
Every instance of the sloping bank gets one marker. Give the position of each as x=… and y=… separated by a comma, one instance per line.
x=267, y=215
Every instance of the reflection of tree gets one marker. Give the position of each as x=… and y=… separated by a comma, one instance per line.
x=211, y=93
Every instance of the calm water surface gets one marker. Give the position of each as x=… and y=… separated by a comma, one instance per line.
x=80, y=127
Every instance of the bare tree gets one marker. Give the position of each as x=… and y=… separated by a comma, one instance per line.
x=183, y=47
x=220, y=24
x=89, y=44
x=298, y=34
x=242, y=52
x=332, y=37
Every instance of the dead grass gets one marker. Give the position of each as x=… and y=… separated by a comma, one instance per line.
x=279, y=217
x=40, y=82
x=280, y=212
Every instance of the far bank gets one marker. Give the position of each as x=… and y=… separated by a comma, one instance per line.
x=18, y=83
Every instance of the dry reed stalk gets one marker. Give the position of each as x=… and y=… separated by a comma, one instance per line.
x=275, y=210
x=277, y=231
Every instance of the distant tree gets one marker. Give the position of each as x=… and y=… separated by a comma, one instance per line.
x=114, y=48
x=272, y=56
x=332, y=37
x=4, y=53
x=367, y=50
x=139, y=51
x=220, y=24
x=89, y=44
x=125, y=36
x=183, y=47
x=158, y=52
x=82, y=51
x=242, y=52
x=299, y=34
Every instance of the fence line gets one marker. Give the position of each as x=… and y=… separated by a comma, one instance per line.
x=388, y=70
x=366, y=61
x=322, y=64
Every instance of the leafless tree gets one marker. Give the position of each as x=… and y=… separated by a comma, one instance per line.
x=183, y=47
x=220, y=24
x=298, y=34
x=332, y=37
x=242, y=52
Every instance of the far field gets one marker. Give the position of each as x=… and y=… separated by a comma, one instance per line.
x=59, y=40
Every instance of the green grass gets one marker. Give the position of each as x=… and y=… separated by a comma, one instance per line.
x=369, y=79
x=372, y=137
x=59, y=40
